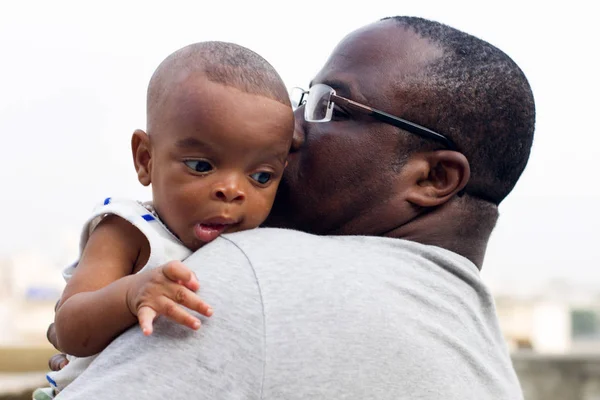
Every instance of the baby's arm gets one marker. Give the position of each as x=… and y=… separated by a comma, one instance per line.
x=103, y=298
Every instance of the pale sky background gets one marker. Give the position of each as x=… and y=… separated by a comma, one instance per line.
x=73, y=79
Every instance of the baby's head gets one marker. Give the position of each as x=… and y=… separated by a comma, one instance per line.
x=219, y=128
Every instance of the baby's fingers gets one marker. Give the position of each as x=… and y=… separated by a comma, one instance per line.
x=197, y=304
x=191, y=300
x=174, y=312
x=193, y=283
x=146, y=316
x=177, y=272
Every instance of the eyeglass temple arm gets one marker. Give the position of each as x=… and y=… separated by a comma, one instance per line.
x=396, y=121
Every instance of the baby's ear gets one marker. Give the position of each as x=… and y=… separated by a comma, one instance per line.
x=142, y=156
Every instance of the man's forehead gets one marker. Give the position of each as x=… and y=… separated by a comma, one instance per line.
x=382, y=53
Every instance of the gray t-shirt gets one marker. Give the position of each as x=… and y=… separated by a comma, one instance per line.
x=299, y=316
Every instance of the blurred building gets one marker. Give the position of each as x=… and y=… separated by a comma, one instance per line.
x=559, y=319
x=29, y=288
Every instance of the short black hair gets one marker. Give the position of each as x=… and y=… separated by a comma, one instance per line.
x=226, y=63
x=476, y=95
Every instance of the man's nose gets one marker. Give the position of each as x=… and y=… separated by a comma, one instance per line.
x=299, y=134
x=229, y=191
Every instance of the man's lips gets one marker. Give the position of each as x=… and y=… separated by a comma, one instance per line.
x=210, y=229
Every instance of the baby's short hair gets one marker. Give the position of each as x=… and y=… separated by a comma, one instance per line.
x=226, y=63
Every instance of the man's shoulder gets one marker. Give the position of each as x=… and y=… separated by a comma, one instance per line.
x=266, y=239
x=275, y=240
x=269, y=234
x=268, y=249
x=274, y=243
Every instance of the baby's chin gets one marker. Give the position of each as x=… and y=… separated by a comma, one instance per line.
x=193, y=244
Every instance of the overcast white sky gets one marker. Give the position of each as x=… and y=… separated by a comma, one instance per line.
x=72, y=89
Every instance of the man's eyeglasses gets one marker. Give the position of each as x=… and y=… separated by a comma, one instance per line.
x=320, y=99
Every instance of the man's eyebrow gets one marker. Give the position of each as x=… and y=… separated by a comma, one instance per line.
x=190, y=142
x=342, y=88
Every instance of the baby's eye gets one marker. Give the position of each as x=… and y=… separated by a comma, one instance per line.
x=199, y=165
x=261, y=177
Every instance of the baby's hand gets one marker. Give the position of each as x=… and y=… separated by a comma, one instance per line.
x=160, y=291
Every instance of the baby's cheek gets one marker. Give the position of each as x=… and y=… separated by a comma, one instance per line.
x=259, y=209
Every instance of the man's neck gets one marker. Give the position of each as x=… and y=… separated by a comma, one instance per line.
x=462, y=226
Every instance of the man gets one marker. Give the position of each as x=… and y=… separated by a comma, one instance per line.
x=411, y=134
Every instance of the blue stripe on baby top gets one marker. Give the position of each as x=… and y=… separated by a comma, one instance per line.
x=148, y=217
x=50, y=380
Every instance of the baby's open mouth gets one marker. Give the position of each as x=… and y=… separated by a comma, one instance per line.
x=210, y=229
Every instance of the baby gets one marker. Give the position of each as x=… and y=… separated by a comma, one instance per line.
x=219, y=127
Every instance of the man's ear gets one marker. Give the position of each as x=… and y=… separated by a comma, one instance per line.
x=142, y=156
x=438, y=176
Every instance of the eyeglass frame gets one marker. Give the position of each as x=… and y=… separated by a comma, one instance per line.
x=380, y=115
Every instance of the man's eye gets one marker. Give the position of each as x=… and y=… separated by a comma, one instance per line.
x=261, y=177
x=199, y=165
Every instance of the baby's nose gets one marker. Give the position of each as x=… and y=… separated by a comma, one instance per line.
x=228, y=193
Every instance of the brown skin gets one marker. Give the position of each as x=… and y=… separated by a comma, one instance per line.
x=241, y=141
x=238, y=134
x=343, y=176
